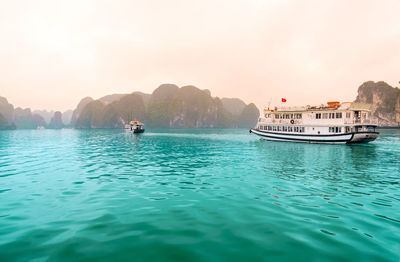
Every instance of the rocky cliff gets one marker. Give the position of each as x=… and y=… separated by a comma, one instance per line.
x=79, y=108
x=384, y=100
x=234, y=106
x=11, y=118
x=56, y=121
x=24, y=119
x=167, y=107
x=6, y=110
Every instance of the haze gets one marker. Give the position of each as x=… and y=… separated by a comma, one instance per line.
x=53, y=53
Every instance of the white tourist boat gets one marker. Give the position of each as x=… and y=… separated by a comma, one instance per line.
x=335, y=123
x=135, y=127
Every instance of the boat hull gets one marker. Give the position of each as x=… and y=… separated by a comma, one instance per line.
x=138, y=131
x=135, y=131
x=347, y=138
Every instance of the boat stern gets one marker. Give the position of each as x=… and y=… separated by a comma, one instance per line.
x=364, y=137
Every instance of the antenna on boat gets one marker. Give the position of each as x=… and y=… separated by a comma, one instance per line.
x=269, y=103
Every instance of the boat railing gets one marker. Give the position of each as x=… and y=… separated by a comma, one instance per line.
x=362, y=121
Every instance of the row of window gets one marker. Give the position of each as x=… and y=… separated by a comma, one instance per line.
x=330, y=115
x=285, y=116
x=288, y=116
x=335, y=129
x=317, y=115
x=297, y=129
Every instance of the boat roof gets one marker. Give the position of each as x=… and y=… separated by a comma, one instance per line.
x=349, y=106
x=135, y=122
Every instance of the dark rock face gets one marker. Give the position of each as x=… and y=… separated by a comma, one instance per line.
x=79, y=108
x=384, y=99
x=56, y=121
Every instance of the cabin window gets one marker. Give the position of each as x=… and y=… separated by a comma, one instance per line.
x=331, y=129
x=291, y=116
x=285, y=128
x=302, y=129
x=338, y=115
x=276, y=116
x=296, y=129
x=269, y=128
x=279, y=128
x=274, y=128
x=348, y=115
x=331, y=115
x=318, y=115
x=325, y=115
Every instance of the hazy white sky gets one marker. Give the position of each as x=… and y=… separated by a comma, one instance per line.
x=53, y=53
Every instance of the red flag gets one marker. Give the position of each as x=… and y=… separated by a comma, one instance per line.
x=283, y=99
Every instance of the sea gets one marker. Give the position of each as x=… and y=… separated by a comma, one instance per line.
x=196, y=195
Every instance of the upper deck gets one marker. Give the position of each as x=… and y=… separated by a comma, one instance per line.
x=335, y=113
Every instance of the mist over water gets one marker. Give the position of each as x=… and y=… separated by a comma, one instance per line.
x=196, y=195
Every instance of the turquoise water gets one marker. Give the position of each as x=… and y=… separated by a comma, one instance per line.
x=196, y=195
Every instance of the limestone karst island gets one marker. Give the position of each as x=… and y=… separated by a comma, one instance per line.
x=199, y=131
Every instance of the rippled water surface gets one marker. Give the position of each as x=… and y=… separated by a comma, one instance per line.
x=196, y=195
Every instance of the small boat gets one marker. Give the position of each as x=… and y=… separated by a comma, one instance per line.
x=335, y=123
x=135, y=127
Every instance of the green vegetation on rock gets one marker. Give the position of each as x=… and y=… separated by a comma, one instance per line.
x=168, y=107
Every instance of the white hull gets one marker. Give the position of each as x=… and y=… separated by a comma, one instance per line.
x=345, y=138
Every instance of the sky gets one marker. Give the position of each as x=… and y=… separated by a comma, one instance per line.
x=54, y=53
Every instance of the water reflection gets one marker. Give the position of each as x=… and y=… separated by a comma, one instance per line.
x=330, y=162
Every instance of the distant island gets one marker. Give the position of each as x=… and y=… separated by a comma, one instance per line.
x=170, y=106
x=384, y=100
x=167, y=107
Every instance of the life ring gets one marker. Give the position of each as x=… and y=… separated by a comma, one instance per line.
x=292, y=121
